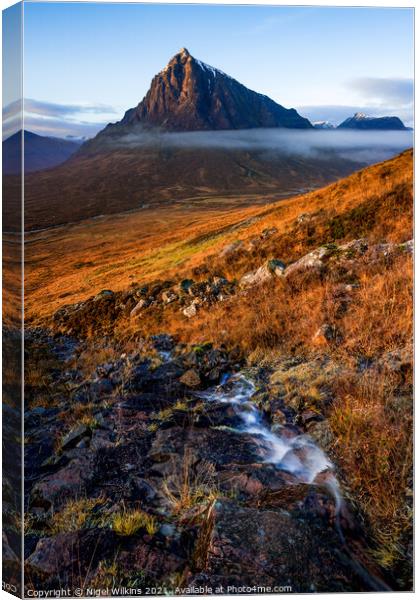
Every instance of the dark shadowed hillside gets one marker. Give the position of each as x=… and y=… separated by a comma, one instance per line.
x=40, y=152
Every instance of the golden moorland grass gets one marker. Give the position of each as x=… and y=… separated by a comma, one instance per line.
x=371, y=411
x=67, y=264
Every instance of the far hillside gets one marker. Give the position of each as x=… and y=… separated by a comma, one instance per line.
x=41, y=152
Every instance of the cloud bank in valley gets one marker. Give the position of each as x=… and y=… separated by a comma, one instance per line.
x=360, y=146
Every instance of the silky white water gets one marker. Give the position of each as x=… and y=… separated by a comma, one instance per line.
x=297, y=454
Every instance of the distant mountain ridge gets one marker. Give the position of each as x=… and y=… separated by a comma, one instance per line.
x=362, y=121
x=40, y=152
x=189, y=95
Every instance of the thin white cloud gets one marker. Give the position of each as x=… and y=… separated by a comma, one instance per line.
x=50, y=109
x=384, y=91
x=274, y=22
x=61, y=120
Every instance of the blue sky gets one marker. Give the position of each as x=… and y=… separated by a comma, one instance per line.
x=85, y=64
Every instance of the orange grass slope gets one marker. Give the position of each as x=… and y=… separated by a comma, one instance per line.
x=360, y=379
x=376, y=203
x=368, y=306
x=71, y=263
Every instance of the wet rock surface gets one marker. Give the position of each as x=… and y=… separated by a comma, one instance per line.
x=169, y=463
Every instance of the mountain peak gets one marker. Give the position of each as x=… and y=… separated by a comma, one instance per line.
x=190, y=95
x=361, y=121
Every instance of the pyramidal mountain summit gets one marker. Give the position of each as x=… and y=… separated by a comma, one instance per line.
x=189, y=95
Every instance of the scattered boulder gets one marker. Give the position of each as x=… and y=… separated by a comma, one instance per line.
x=184, y=286
x=354, y=248
x=104, y=295
x=277, y=267
x=310, y=262
x=304, y=218
x=74, y=436
x=191, y=379
x=168, y=296
x=68, y=482
x=74, y=552
x=141, y=304
x=268, y=232
x=232, y=248
x=191, y=310
x=407, y=246
x=263, y=273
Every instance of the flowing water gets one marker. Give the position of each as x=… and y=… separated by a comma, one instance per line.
x=294, y=453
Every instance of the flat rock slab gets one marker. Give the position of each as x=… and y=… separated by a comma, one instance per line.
x=218, y=446
x=273, y=547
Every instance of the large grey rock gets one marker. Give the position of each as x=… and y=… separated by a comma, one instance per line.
x=191, y=310
x=267, y=271
x=141, y=304
x=273, y=547
x=310, y=262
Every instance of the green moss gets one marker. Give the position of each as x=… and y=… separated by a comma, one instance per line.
x=202, y=348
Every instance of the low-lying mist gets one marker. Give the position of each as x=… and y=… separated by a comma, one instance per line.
x=359, y=146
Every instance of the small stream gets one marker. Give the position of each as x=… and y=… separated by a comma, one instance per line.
x=292, y=452
x=289, y=451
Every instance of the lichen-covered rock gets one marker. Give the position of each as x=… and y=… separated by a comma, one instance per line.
x=140, y=304
x=322, y=433
x=191, y=379
x=191, y=310
x=262, y=274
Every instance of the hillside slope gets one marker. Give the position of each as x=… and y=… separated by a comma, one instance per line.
x=118, y=180
x=84, y=258
x=314, y=294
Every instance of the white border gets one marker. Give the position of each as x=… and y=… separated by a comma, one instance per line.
x=338, y=3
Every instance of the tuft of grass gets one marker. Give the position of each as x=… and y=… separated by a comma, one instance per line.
x=129, y=522
x=193, y=490
x=166, y=413
x=374, y=448
x=75, y=515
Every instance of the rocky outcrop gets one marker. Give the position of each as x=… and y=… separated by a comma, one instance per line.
x=168, y=446
x=273, y=546
x=267, y=271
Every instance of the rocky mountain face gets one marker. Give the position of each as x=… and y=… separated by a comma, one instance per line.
x=172, y=147
x=361, y=121
x=189, y=95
